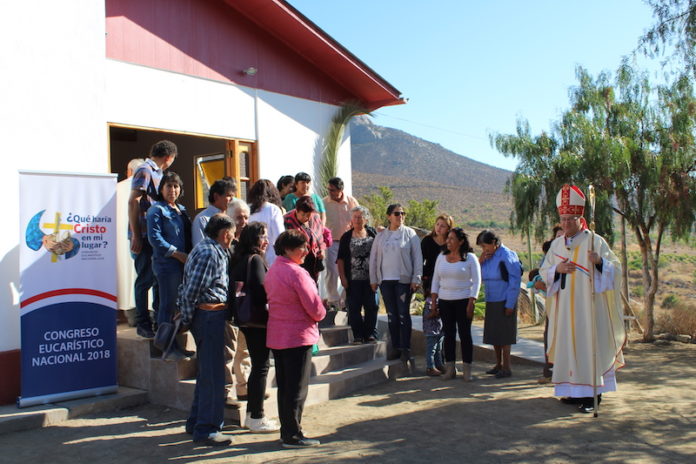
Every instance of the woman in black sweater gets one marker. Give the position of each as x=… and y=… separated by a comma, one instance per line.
x=247, y=272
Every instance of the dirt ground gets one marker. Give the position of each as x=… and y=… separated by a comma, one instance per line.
x=652, y=419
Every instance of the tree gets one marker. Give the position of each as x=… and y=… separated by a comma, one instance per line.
x=421, y=214
x=675, y=27
x=635, y=144
x=329, y=161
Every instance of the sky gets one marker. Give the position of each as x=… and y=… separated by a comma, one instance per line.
x=470, y=68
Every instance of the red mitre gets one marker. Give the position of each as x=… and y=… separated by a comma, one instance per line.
x=570, y=200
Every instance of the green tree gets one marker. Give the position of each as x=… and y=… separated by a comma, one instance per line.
x=675, y=26
x=421, y=214
x=635, y=144
x=329, y=161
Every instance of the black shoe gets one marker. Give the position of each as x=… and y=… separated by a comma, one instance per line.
x=569, y=400
x=177, y=354
x=145, y=331
x=405, y=355
x=586, y=405
x=502, y=374
x=300, y=443
x=493, y=371
x=215, y=439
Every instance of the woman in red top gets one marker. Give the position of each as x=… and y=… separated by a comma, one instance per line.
x=305, y=219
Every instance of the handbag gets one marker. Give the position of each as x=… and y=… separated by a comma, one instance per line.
x=166, y=335
x=243, y=311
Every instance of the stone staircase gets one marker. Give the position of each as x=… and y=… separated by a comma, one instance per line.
x=338, y=369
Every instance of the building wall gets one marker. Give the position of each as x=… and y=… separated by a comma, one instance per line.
x=52, y=118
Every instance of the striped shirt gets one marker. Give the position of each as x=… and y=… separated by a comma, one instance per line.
x=205, y=278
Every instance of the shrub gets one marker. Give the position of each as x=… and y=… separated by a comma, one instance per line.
x=680, y=320
x=670, y=301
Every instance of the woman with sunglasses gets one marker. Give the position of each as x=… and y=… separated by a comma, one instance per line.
x=455, y=286
x=396, y=266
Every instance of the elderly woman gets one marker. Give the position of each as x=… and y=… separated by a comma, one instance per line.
x=249, y=266
x=432, y=245
x=396, y=265
x=353, y=264
x=294, y=310
x=169, y=233
x=265, y=206
x=456, y=283
x=238, y=210
x=501, y=272
x=305, y=219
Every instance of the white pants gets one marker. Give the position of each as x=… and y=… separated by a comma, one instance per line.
x=333, y=294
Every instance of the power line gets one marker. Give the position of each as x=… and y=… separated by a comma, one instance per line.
x=431, y=127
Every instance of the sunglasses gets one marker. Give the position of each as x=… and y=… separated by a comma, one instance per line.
x=399, y=213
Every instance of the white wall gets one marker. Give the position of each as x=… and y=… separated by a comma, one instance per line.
x=58, y=92
x=51, y=113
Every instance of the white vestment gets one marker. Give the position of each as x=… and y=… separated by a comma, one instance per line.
x=569, y=307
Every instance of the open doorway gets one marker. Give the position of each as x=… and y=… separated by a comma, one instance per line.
x=201, y=160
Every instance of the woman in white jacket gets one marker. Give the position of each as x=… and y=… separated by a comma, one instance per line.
x=396, y=265
x=264, y=204
x=456, y=283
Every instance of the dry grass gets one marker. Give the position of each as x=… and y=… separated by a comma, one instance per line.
x=681, y=319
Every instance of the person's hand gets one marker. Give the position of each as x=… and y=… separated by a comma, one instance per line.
x=344, y=283
x=540, y=285
x=470, y=309
x=594, y=257
x=509, y=312
x=484, y=256
x=414, y=286
x=180, y=256
x=136, y=244
x=566, y=268
x=374, y=288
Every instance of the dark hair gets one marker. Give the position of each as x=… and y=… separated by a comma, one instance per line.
x=336, y=182
x=248, y=241
x=305, y=204
x=169, y=177
x=221, y=187
x=283, y=181
x=302, y=176
x=546, y=246
x=532, y=274
x=488, y=237
x=392, y=207
x=555, y=230
x=289, y=240
x=261, y=192
x=216, y=223
x=162, y=149
x=465, y=247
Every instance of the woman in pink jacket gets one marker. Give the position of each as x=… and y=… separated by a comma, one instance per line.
x=294, y=309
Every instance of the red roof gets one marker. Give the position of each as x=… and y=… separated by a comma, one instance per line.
x=294, y=29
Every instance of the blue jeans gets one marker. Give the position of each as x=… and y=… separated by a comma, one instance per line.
x=208, y=407
x=169, y=276
x=143, y=282
x=433, y=351
x=360, y=295
x=397, y=299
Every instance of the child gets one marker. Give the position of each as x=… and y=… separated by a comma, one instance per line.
x=432, y=329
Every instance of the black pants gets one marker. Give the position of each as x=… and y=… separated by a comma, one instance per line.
x=360, y=295
x=453, y=314
x=259, y=354
x=293, y=369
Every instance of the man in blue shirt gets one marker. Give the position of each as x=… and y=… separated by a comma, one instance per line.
x=144, y=186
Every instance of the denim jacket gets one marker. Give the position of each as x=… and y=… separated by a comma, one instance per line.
x=168, y=231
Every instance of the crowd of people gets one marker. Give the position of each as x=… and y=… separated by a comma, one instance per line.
x=243, y=277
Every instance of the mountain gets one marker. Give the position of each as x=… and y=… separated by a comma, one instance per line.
x=416, y=169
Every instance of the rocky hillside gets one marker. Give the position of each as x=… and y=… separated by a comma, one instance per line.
x=417, y=169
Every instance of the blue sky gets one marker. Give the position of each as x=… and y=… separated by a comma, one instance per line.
x=470, y=68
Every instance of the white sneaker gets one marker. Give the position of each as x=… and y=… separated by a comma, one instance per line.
x=263, y=425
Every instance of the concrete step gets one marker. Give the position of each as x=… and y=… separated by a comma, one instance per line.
x=323, y=387
x=13, y=419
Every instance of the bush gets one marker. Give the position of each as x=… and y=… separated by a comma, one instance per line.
x=680, y=320
x=670, y=301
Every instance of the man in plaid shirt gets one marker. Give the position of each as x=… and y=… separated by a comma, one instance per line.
x=202, y=302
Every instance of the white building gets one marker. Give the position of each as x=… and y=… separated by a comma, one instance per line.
x=244, y=87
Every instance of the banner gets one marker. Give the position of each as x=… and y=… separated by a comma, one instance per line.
x=67, y=264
